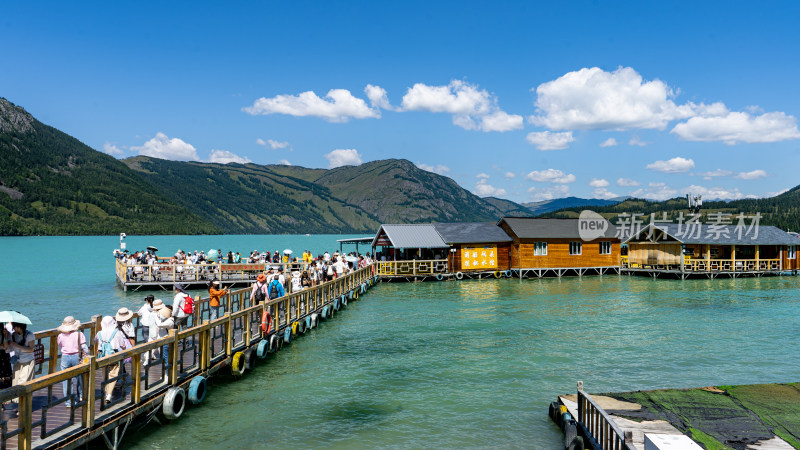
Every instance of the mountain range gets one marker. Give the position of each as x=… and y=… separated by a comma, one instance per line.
x=52, y=184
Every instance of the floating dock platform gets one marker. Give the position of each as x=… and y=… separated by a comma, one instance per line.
x=756, y=416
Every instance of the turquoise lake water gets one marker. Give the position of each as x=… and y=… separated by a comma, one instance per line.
x=454, y=364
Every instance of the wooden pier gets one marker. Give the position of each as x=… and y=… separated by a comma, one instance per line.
x=203, y=348
x=756, y=416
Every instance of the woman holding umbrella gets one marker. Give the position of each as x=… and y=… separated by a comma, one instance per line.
x=21, y=342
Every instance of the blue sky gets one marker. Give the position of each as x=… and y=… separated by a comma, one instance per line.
x=522, y=100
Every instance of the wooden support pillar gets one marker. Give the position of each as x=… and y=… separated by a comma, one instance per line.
x=758, y=257
x=136, y=370
x=96, y=319
x=733, y=257
x=89, y=393
x=25, y=420
x=229, y=334
x=174, y=354
x=52, y=367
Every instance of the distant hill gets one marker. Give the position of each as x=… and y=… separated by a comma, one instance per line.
x=52, y=184
x=546, y=206
x=782, y=211
x=509, y=208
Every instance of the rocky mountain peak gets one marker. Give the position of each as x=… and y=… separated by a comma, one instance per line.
x=14, y=119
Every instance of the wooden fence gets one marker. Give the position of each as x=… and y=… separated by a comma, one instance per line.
x=598, y=423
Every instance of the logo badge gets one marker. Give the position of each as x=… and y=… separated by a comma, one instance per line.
x=592, y=225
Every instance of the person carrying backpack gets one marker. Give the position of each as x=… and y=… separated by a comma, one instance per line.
x=259, y=292
x=275, y=289
x=182, y=306
x=110, y=341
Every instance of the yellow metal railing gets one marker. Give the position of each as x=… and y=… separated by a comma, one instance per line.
x=191, y=351
x=412, y=268
x=174, y=273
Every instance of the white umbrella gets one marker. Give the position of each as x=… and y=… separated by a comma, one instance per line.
x=14, y=316
x=350, y=258
x=288, y=251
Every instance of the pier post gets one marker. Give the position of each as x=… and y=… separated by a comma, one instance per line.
x=25, y=420
x=96, y=319
x=228, y=335
x=136, y=370
x=89, y=393
x=173, y=356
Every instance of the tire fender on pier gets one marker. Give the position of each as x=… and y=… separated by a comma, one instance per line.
x=355, y=294
x=237, y=364
x=250, y=359
x=197, y=389
x=294, y=328
x=509, y=273
x=336, y=303
x=309, y=323
x=459, y=275
x=263, y=348
x=439, y=277
x=314, y=320
x=344, y=300
x=287, y=335
x=497, y=274
x=174, y=403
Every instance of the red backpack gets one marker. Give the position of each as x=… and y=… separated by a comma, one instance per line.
x=188, y=304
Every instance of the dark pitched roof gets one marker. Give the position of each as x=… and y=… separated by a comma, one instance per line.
x=721, y=235
x=533, y=228
x=472, y=232
x=411, y=236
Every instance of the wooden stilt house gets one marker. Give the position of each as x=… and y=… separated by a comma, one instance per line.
x=476, y=246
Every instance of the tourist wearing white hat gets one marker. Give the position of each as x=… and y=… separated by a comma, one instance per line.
x=124, y=320
x=163, y=321
x=110, y=334
x=72, y=344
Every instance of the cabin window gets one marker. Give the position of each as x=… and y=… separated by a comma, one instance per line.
x=791, y=253
x=575, y=248
x=605, y=248
x=540, y=249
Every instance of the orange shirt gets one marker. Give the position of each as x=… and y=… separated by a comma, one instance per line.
x=215, y=295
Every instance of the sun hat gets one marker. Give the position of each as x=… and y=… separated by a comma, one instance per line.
x=124, y=314
x=164, y=311
x=158, y=304
x=261, y=277
x=180, y=287
x=69, y=324
x=215, y=283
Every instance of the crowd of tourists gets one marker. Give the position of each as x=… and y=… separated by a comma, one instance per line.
x=156, y=318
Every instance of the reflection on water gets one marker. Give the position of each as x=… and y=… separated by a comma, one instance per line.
x=475, y=363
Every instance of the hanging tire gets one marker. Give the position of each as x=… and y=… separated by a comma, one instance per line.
x=336, y=303
x=197, y=389
x=350, y=295
x=301, y=326
x=237, y=364
x=509, y=274
x=344, y=300
x=278, y=342
x=565, y=418
x=439, y=277
x=355, y=294
x=497, y=274
x=576, y=444
x=553, y=411
x=314, y=320
x=287, y=335
x=174, y=403
x=309, y=322
x=324, y=314
x=273, y=342
x=263, y=348
x=250, y=359
x=459, y=275
x=294, y=328
x=570, y=433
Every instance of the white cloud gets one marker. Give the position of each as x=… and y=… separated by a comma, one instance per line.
x=735, y=127
x=674, y=165
x=592, y=98
x=549, y=193
x=284, y=162
x=472, y=108
x=112, y=149
x=343, y=157
x=715, y=173
x=377, y=97
x=599, y=183
x=655, y=191
x=610, y=142
x=627, y=182
x=550, y=176
x=752, y=175
x=225, y=157
x=339, y=105
x=603, y=193
x=774, y=194
x=546, y=140
x=482, y=176
x=161, y=146
x=714, y=193
x=637, y=141
x=510, y=175
x=439, y=168
x=483, y=189
x=271, y=144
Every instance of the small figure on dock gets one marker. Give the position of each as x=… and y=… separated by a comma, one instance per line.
x=125, y=324
x=109, y=341
x=72, y=344
x=214, y=294
x=259, y=292
x=179, y=306
x=162, y=322
x=146, y=322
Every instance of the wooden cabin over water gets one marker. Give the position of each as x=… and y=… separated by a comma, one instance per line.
x=410, y=251
x=542, y=247
x=711, y=250
x=476, y=246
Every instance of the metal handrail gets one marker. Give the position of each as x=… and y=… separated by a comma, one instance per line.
x=600, y=425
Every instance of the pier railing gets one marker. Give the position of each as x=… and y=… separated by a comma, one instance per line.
x=412, y=268
x=600, y=425
x=163, y=272
x=141, y=371
x=711, y=265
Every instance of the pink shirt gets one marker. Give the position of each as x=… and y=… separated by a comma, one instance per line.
x=71, y=344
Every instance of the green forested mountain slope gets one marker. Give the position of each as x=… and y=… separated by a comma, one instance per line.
x=253, y=199
x=782, y=211
x=52, y=184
